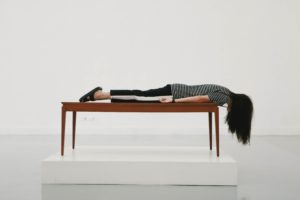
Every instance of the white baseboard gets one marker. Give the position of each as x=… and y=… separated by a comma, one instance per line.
x=145, y=130
x=106, y=130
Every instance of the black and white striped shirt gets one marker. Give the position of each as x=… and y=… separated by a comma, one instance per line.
x=216, y=93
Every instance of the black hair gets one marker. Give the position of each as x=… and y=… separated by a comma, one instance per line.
x=239, y=116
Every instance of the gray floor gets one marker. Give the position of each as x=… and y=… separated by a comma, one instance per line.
x=267, y=169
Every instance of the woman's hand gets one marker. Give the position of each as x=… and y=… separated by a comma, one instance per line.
x=165, y=99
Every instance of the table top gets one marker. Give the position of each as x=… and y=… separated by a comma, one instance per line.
x=138, y=107
x=139, y=103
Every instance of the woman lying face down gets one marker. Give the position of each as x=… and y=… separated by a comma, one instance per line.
x=239, y=106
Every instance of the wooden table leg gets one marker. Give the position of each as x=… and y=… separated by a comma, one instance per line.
x=217, y=131
x=73, y=129
x=63, y=125
x=210, y=129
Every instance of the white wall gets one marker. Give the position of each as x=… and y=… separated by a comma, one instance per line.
x=53, y=51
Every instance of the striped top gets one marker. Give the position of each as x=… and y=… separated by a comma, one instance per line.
x=216, y=93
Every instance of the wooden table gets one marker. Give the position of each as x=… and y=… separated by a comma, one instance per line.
x=138, y=107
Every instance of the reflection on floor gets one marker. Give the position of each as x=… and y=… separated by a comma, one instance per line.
x=269, y=168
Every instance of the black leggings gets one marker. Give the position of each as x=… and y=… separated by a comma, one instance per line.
x=163, y=91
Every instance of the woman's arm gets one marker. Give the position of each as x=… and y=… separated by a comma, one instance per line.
x=199, y=99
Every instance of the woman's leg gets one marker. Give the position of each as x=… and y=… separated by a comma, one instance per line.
x=163, y=91
x=100, y=95
x=129, y=94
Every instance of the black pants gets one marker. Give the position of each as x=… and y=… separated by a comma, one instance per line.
x=163, y=91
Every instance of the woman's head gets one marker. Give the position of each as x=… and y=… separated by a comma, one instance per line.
x=239, y=116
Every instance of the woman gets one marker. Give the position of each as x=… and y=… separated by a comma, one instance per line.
x=239, y=106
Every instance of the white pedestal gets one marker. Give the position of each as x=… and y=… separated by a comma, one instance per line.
x=137, y=192
x=167, y=165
